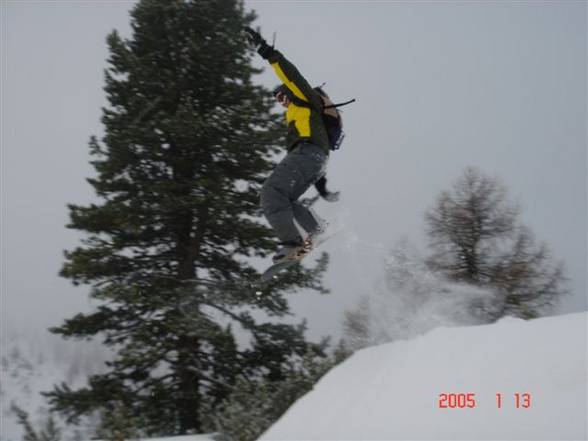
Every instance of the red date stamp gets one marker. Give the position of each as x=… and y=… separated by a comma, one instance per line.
x=517, y=400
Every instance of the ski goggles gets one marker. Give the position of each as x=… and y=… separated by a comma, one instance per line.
x=280, y=93
x=281, y=97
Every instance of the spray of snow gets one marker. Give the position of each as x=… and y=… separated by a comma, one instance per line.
x=411, y=300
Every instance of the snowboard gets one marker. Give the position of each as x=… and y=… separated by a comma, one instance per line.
x=273, y=271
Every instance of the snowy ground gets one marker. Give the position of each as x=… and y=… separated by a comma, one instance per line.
x=391, y=391
x=394, y=391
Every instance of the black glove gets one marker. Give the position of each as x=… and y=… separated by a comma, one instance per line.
x=258, y=43
x=332, y=196
x=321, y=187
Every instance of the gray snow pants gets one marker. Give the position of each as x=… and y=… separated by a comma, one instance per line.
x=300, y=169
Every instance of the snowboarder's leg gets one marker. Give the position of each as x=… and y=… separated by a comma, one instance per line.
x=290, y=179
x=276, y=200
x=305, y=217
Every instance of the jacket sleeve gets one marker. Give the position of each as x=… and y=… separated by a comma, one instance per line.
x=293, y=80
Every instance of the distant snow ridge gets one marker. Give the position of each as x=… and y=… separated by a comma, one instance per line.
x=512, y=380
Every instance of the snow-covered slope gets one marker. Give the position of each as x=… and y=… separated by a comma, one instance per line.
x=393, y=391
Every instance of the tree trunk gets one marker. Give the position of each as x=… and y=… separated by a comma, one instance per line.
x=188, y=404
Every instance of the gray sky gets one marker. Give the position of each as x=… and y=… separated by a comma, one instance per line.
x=439, y=85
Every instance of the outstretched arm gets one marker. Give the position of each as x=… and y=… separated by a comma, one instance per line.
x=285, y=70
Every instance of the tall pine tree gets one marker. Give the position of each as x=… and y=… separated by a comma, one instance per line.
x=189, y=139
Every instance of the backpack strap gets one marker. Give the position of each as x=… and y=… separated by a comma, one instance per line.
x=340, y=104
x=302, y=103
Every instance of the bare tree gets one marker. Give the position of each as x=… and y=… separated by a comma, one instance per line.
x=356, y=326
x=476, y=237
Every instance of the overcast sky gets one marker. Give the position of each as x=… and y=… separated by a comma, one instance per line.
x=439, y=86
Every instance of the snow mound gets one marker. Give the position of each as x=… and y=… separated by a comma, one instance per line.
x=528, y=380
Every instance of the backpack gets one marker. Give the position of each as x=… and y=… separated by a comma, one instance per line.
x=331, y=117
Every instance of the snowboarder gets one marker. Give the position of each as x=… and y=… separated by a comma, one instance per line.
x=308, y=146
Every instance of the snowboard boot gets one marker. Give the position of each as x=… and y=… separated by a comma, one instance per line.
x=292, y=250
x=320, y=234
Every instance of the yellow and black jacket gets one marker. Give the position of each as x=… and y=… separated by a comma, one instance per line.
x=304, y=123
